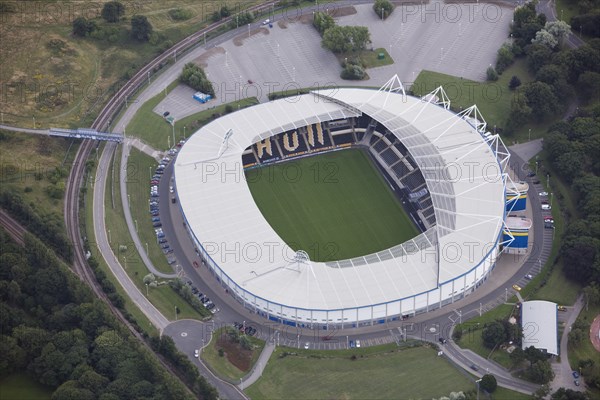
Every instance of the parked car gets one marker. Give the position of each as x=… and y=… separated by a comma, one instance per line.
x=575, y=374
x=531, y=174
x=358, y=343
x=516, y=287
x=543, y=194
x=442, y=340
x=546, y=207
x=563, y=308
x=352, y=345
x=306, y=346
x=529, y=277
x=196, y=353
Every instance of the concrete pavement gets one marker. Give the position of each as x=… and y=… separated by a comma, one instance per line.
x=103, y=244
x=563, y=373
x=260, y=365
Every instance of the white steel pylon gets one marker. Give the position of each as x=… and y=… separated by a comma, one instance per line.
x=394, y=85
x=222, y=150
x=473, y=115
x=438, y=96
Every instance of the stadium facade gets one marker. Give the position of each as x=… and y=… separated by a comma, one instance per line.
x=448, y=164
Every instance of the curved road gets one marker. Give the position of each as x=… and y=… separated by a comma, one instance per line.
x=230, y=310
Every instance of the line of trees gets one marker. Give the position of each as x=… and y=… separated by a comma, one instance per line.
x=58, y=333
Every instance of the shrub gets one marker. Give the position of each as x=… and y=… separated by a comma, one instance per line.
x=353, y=72
x=112, y=11
x=384, y=5
x=179, y=14
x=491, y=74
x=514, y=83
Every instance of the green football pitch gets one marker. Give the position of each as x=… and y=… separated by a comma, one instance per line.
x=334, y=206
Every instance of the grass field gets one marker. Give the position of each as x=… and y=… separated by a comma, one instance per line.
x=585, y=350
x=21, y=386
x=65, y=78
x=492, y=98
x=220, y=364
x=389, y=374
x=28, y=163
x=333, y=206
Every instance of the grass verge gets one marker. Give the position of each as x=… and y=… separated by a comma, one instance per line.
x=384, y=372
x=333, y=206
x=221, y=365
x=140, y=167
x=163, y=297
x=154, y=130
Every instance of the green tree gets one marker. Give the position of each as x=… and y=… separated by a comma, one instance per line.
x=194, y=76
x=70, y=391
x=13, y=356
x=491, y=74
x=245, y=342
x=343, y=39
x=582, y=254
x=383, y=8
x=83, y=27
x=591, y=295
x=323, y=21
x=517, y=357
x=488, y=383
x=541, y=372
x=538, y=56
x=353, y=72
x=541, y=100
x=514, y=83
x=534, y=355
x=112, y=11
x=504, y=58
x=588, y=85
x=569, y=394
x=140, y=28
x=493, y=334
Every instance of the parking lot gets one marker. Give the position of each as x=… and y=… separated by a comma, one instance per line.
x=460, y=40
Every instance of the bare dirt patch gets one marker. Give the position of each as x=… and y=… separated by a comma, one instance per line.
x=203, y=59
x=236, y=355
x=239, y=40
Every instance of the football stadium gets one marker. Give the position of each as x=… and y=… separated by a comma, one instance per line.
x=348, y=207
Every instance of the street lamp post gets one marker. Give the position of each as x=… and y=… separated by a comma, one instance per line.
x=109, y=239
x=175, y=313
x=477, y=382
x=382, y=13
x=146, y=247
x=505, y=295
x=530, y=134
x=248, y=30
x=146, y=290
x=136, y=225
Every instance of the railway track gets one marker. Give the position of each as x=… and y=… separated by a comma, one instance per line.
x=12, y=227
x=77, y=173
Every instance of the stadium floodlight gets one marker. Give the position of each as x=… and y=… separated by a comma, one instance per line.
x=222, y=149
x=474, y=117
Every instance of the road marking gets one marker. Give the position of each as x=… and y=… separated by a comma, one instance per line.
x=183, y=334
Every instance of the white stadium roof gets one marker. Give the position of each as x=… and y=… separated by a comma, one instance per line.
x=539, y=322
x=461, y=171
